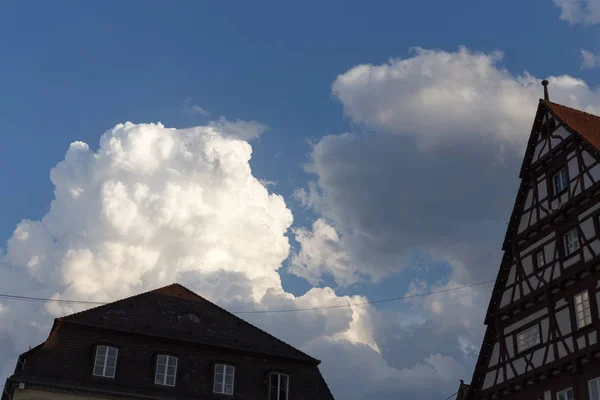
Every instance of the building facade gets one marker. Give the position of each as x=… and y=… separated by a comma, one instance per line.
x=164, y=344
x=541, y=340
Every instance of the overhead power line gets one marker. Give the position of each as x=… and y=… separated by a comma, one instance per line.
x=64, y=301
x=451, y=396
x=364, y=303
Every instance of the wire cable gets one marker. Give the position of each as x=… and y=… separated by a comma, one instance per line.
x=64, y=301
x=451, y=396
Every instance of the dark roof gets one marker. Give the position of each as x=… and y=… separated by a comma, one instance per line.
x=585, y=124
x=156, y=313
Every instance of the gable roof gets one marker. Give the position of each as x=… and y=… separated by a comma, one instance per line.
x=156, y=313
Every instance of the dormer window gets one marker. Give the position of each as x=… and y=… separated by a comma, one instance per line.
x=561, y=181
x=189, y=317
x=105, y=363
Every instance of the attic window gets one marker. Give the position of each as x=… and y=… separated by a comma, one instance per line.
x=189, y=317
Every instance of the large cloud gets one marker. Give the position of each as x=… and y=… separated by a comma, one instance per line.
x=431, y=167
x=152, y=206
x=438, y=171
x=579, y=11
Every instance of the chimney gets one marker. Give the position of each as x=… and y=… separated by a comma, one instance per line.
x=545, y=85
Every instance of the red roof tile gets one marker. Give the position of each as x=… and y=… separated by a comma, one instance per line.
x=587, y=125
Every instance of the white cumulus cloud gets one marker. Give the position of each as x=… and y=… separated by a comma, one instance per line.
x=585, y=12
x=589, y=60
x=155, y=205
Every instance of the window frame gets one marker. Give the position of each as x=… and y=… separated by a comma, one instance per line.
x=567, y=179
x=566, y=252
x=596, y=382
x=533, y=328
x=223, y=383
x=287, y=388
x=564, y=391
x=105, y=364
x=536, y=259
x=166, y=365
x=589, y=308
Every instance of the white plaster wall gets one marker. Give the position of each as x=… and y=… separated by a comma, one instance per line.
x=508, y=341
x=489, y=379
x=524, y=223
x=495, y=354
x=589, y=211
x=538, y=357
x=529, y=199
x=506, y=297
x=527, y=264
x=587, y=228
x=595, y=172
x=588, y=159
x=537, y=244
x=592, y=337
x=542, y=189
x=563, y=319
x=559, y=303
x=512, y=327
x=519, y=364
x=511, y=275
x=562, y=132
x=573, y=166
x=573, y=260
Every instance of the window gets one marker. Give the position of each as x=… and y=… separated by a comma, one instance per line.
x=190, y=317
x=166, y=370
x=278, y=387
x=571, y=240
x=594, y=389
x=106, y=361
x=540, y=259
x=582, y=308
x=224, y=375
x=528, y=338
x=561, y=181
x=566, y=394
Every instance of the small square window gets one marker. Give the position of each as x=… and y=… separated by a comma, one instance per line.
x=528, y=338
x=582, y=309
x=571, y=241
x=561, y=181
x=540, y=259
x=566, y=394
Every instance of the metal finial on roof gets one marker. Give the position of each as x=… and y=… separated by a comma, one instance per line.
x=545, y=85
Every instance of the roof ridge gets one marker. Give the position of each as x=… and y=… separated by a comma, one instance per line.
x=164, y=291
x=248, y=323
x=551, y=103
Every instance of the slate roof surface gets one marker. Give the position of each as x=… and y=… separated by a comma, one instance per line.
x=156, y=313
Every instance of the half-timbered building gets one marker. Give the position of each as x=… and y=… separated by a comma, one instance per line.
x=541, y=340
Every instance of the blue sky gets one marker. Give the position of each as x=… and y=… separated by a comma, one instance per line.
x=69, y=71
x=73, y=70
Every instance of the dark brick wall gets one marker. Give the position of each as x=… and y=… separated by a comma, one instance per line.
x=67, y=357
